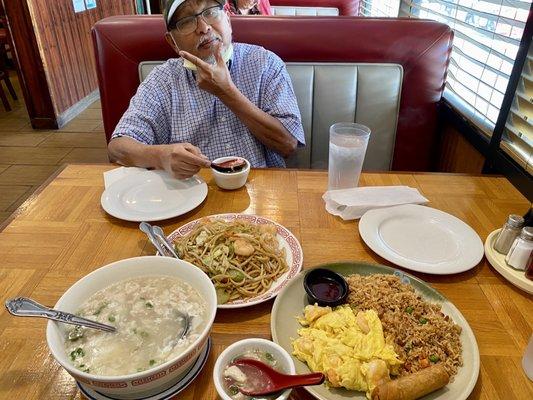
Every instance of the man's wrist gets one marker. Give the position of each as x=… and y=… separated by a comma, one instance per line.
x=231, y=95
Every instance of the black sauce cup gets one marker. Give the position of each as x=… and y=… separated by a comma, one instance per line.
x=328, y=277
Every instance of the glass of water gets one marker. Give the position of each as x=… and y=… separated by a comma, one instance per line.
x=347, y=148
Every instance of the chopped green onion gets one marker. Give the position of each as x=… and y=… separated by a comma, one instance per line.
x=269, y=357
x=433, y=358
x=423, y=321
x=142, y=298
x=99, y=309
x=149, y=304
x=409, y=310
x=86, y=370
x=233, y=390
x=81, y=366
x=77, y=353
x=152, y=362
x=237, y=276
x=111, y=318
x=222, y=296
x=143, y=334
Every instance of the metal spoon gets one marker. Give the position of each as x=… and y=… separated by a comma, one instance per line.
x=186, y=324
x=158, y=231
x=274, y=381
x=157, y=237
x=24, y=307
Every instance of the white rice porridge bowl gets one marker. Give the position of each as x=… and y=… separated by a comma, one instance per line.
x=144, y=298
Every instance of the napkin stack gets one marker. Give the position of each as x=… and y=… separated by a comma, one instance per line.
x=353, y=203
x=117, y=174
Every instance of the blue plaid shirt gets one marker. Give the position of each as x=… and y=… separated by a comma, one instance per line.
x=169, y=107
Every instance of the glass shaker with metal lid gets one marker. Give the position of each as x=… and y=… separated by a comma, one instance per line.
x=508, y=234
x=521, y=249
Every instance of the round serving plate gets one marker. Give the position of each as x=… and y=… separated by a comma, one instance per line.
x=286, y=239
x=497, y=260
x=422, y=239
x=291, y=301
x=152, y=196
x=167, y=394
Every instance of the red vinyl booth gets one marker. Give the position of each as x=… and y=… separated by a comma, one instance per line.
x=345, y=7
x=421, y=47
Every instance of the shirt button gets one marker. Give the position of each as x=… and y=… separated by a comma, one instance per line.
x=223, y=119
x=228, y=146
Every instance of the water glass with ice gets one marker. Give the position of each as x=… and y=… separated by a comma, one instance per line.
x=347, y=147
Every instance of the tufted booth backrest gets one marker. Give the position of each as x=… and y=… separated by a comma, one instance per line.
x=368, y=94
x=420, y=47
x=315, y=7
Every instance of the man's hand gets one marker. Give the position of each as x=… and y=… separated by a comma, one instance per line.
x=183, y=160
x=213, y=78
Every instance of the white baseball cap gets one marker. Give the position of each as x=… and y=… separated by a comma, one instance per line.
x=171, y=7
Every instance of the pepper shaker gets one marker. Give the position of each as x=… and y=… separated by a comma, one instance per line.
x=508, y=234
x=521, y=249
x=529, y=269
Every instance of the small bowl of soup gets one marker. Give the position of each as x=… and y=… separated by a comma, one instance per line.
x=149, y=300
x=228, y=377
x=230, y=172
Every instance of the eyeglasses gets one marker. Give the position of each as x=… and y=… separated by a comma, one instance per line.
x=189, y=24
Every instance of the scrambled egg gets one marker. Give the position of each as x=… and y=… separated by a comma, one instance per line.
x=349, y=349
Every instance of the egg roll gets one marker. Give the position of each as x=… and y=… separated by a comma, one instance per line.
x=413, y=386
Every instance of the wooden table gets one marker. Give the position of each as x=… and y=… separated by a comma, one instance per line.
x=61, y=233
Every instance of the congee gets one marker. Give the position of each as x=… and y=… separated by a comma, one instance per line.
x=148, y=314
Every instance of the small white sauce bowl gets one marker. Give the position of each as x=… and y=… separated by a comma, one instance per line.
x=238, y=349
x=160, y=377
x=230, y=180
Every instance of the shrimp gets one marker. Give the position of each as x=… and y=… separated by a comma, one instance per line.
x=243, y=248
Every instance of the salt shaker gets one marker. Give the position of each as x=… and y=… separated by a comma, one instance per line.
x=508, y=234
x=521, y=249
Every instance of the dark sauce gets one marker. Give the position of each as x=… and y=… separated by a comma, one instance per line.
x=326, y=289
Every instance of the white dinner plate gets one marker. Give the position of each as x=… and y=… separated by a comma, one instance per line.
x=167, y=394
x=421, y=239
x=286, y=240
x=153, y=196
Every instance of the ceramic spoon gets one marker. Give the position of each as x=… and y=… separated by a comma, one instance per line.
x=234, y=165
x=274, y=381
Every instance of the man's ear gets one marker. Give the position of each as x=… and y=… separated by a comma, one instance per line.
x=170, y=40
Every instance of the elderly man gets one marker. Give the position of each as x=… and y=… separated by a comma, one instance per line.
x=218, y=99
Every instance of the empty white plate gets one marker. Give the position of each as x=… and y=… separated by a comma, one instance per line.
x=421, y=239
x=152, y=196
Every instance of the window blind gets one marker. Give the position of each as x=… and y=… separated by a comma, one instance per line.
x=379, y=8
x=517, y=139
x=487, y=37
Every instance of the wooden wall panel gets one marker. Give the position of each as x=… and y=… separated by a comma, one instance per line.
x=457, y=155
x=64, y=39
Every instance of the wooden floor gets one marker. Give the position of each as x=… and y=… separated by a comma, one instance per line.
x=28, y=156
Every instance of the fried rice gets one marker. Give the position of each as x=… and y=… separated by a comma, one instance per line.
x=421, y=334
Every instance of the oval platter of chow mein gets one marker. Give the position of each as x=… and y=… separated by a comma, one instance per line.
x=248, y=258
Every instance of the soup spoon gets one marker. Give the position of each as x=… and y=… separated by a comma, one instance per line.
x=234, y=165
x=24, y=307
x=272, y=381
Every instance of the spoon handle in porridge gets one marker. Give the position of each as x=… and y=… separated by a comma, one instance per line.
x=24, y=307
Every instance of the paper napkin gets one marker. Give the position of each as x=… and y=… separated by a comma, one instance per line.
x=353, y=203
